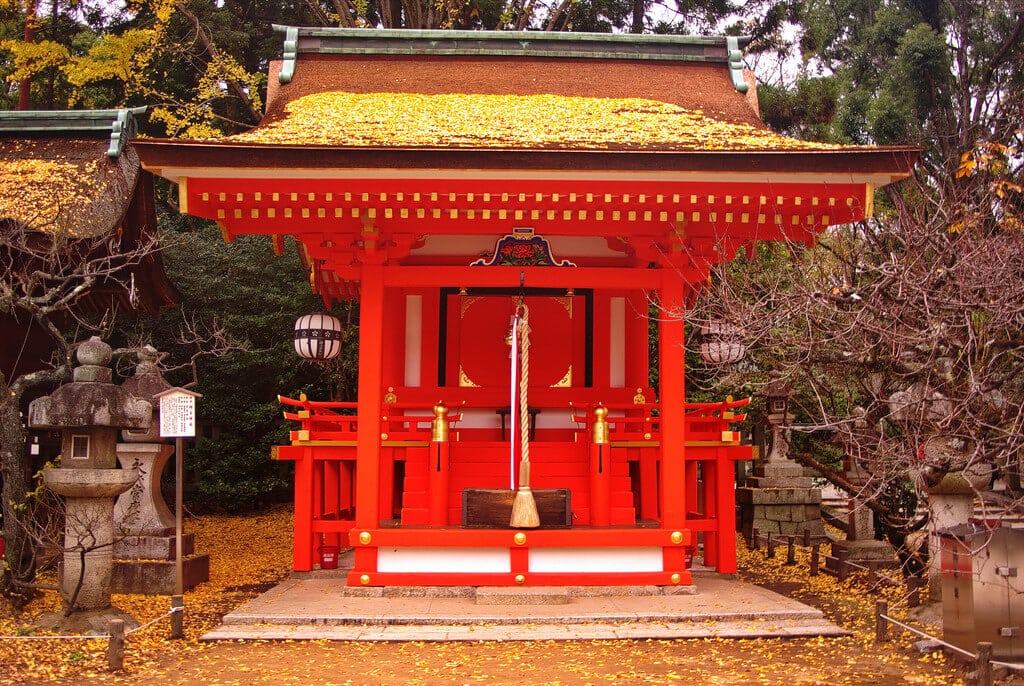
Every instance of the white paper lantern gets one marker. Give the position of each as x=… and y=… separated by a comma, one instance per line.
x=318, y=337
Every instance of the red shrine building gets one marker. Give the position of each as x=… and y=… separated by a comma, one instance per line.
x=450, y=181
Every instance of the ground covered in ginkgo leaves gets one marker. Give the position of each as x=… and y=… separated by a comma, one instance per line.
x=251, y=553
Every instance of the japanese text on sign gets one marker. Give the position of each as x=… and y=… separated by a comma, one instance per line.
x=177, y=415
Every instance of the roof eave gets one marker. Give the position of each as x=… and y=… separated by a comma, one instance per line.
x=894, y=161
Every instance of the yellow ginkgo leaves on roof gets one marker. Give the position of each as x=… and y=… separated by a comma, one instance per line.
x=60, y=186
x=34, y=190
x=509, y=121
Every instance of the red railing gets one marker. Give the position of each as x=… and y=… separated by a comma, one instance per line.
x=337, y=421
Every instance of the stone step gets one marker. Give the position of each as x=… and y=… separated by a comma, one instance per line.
x=532, y=595
x=735, y=629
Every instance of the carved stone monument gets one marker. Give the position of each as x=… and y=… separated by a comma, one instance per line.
x=144, y=557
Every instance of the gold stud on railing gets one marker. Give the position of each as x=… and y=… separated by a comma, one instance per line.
x=365, y=538
x=519, y=538
x=677, y=537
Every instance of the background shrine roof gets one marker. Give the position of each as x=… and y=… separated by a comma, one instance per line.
x=72, y=173
x=514, y=91
x=67, y=171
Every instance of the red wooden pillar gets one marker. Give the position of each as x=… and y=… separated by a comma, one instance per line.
x=331, y=495
x=600, y=484
x=726, y=482
x=371, y=337
x=709, y=470
x=302, y=551
x=671, y=378
x=437, y=483
x=650, y=487
x=600, y=469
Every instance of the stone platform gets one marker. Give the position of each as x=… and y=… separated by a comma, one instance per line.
x=318, y=605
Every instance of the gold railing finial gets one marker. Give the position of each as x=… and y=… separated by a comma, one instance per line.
x=600, y=428
x=439, y=426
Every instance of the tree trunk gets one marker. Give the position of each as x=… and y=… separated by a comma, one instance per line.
x=25, y=85
x=17, y=482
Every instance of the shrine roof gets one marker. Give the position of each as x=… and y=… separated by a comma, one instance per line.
x=365, y=98
x=67, y=171
x=512, y=91
x=72, y=173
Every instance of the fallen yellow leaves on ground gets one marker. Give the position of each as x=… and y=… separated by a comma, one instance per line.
x=251, y=553
x=460, y=120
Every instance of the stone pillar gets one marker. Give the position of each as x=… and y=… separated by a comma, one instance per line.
x=144, y=556
x=950, y=502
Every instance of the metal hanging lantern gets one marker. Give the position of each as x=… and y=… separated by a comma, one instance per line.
x=721, y=343
x=318, y=337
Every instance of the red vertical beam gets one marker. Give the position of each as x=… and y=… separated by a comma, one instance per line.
x=371, y=335
x=672, y=395
x=638, y=341
x=601, y=339
x=331, y=496
x=649, y=486
x=386, y=482
x=726, y=483
x=302, y=552
x=709, y=470
x=600, y=484
x=431, y=337
x=437, y=483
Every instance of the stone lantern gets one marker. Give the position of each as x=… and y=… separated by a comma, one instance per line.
x=778, y=499
x=89, y=412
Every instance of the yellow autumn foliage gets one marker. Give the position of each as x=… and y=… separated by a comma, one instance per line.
x=115, y=57
x=31, y=58
x=460, y=120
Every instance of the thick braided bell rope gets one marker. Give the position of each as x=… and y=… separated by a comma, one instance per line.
x=524, y=383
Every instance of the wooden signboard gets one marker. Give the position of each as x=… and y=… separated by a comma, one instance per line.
x=491, y=508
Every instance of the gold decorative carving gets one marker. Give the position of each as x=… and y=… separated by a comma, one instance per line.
x=565, y=381
x=639, y=398
x=465, y=302
x=465, y=381
x=390, y=398
x=566, y=302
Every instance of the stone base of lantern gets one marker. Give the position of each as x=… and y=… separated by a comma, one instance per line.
x=870, y=553
x=157, y=577
x=145, y=565
x=781, y=512
x=86, y=622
